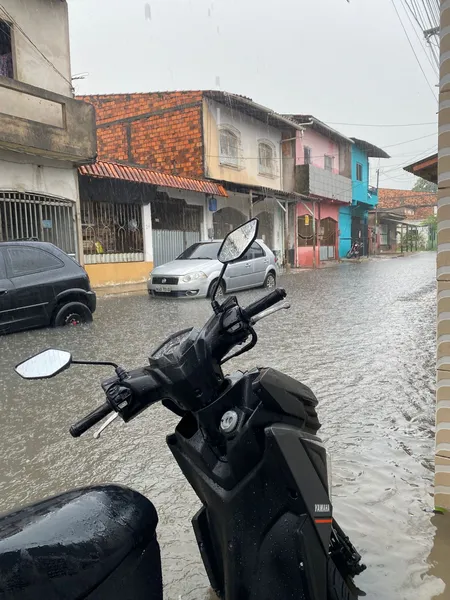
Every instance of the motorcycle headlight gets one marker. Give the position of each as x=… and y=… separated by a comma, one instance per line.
x=193, y=277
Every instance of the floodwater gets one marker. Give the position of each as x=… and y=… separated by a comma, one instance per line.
x=361, y=335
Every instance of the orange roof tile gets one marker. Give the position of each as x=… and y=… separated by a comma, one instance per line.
x=113, y=170
x=388, y=198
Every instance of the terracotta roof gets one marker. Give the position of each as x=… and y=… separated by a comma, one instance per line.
x=113, y=170
x=388, y=198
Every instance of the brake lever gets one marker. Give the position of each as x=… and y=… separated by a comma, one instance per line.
x=106, y=424
x=269, y=311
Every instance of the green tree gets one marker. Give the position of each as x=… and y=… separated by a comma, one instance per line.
x=422, y=185
x=431, y=222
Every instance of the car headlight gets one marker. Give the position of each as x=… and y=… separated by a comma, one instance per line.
x=193, y=277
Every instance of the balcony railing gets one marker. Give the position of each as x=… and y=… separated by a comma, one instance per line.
x=43, y=123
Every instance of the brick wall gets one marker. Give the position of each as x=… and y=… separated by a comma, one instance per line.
x=160, y=131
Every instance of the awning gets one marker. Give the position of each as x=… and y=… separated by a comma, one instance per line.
x=426, y=168
x=111, y=170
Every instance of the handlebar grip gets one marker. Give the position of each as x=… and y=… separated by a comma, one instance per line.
x=90, y=420
x=264, y=303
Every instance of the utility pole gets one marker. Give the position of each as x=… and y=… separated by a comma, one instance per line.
x=287, y=264
x=442, y=459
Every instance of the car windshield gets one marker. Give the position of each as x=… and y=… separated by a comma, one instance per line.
x=206, y=251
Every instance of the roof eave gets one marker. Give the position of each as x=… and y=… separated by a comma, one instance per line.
x=371, y=150
x=321, y=127
x=257, y=107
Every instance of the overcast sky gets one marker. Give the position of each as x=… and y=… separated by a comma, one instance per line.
x=344, y=62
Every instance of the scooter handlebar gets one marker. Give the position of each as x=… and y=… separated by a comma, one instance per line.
x=264, y=303
x=90, y=420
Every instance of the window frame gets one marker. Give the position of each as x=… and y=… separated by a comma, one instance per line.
x=330, y=158
x=226, y=160
x=248, y=255
x=9, y=262
x=263, y=170
x=307, y=155
x=12, y=47
x=359, y=167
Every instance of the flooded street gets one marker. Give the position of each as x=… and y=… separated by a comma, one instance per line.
x=362, y=336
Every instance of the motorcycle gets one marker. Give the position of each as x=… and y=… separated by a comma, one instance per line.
x=356, y=250
x=246, y=442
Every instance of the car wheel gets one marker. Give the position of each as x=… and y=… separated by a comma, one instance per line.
x=270, y=281
x=220, y=290
x=71, y=314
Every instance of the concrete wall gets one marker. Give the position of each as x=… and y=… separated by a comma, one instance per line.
x=442, y=477
x=360, y=188
x=312, y=180
x=46, y=24
x=22, y=173
x=36, y=121
x=320, y=145
x=250, y=131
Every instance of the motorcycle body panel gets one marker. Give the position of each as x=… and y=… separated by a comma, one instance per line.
x=92, y=543
x=265, y=525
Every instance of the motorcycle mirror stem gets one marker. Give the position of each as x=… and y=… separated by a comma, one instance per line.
x=235, y=244
x=51, y=362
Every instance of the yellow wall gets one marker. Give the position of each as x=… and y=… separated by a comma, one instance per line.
x=109, y=274
x=251, y=130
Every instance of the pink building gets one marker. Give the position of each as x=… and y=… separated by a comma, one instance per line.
x=323, y=176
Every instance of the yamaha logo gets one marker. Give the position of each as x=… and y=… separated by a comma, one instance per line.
x=163, y=280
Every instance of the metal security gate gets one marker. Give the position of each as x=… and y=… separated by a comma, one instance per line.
x=27, y=216
x=328, y=234
x=167, y=244
x=112, y=232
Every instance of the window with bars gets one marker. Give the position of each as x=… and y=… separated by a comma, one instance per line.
x=32, y=216
x=305, y=230
x=306, y=155
x=112, y=232
x=6, y=57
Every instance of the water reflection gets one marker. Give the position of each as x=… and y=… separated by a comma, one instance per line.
x=361, y=335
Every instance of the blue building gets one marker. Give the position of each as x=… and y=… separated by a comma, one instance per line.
x=353, y=219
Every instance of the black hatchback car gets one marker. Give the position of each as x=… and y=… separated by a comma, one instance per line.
x=40, y=285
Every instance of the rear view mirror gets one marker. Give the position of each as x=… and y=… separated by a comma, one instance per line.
x=44, y=365
x=238, y=241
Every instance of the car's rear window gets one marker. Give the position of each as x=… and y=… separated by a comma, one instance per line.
x=205, y=251
x=25, y=260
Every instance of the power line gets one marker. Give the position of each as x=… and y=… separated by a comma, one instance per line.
x=378, y=125
x=413, y=140
x=433, y=66
x=412, y=48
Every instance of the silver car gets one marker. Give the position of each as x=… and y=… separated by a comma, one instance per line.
x=195, y=271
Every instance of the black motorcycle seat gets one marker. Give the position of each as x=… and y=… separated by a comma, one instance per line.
x=64, y=547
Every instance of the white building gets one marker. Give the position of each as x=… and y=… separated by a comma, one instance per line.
x=44, y=133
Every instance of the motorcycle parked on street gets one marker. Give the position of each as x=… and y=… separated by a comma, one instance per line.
x=246, y=442
x=356, y=250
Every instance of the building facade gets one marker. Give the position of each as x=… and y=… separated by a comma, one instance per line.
x=323, y=182
x=45, y=134
x=133, y=219
x=217, y=136
x=354, y=218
